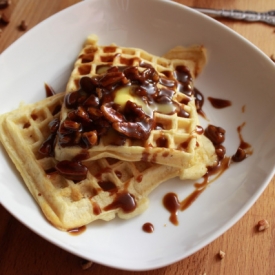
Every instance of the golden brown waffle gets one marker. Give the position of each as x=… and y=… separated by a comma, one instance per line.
x=111, y=186
x=173, y=138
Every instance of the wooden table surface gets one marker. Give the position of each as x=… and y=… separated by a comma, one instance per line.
x=247, y=250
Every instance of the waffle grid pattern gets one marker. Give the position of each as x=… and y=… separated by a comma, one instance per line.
x=67, y=204
x=179, y=132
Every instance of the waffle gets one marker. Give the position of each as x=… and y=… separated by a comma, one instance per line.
x=131, y=126
x=112, y=187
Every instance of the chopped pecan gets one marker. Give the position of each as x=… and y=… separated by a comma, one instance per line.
x=23, y=26
x=4, y=19
x=113, y=78
x=88, y=84
x=85, y=264
x=262, y=225
x=71, y=100
x=94, y=113
x=133, y=112
x=150, y=73
x=133, y=129
x=71, y=125
x=221, y=254
x=91, y=101
x=82, y=113
x=111, y=114
x=90, y=138
x=4, y=4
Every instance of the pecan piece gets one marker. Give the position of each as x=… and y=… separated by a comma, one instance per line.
x=132, y=129
x=221, y=254
x=85, y=264
x=4, y=4
x=133, y=112
x=94, y=113
x=88, y=84
x=89, y=138
x=111, y=114
x=4, y=19
x=71, y=125
x=150, y=73
x=262, y=225
x=82, y=113
x=215, y=134
x=47, y=147
x=23, y=26
x=71, y=100
x=91, y=101
x=54, y=125
x=113, y=78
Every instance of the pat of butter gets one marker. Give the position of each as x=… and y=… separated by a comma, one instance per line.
x=125, y=93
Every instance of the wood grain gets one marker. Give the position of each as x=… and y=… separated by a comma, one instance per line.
x=247, y=250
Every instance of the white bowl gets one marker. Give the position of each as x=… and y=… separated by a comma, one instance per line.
x=236, y=71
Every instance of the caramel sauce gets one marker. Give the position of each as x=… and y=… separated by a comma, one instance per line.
x=148, y=227
x=139, y=178
x=86, y=107
x=171, y=201
x=72, y=170
x=81, y=156
x=190, y=199
x=96, y=106
x=172, y=204
x=96, y=208
x=199, y=130
x=244, y=149
x=162, y=141
x=123, y=200
x=47, y=148
x=49, y=90
x=199, y=101
x=217, y=136
x=219, y=103
x=50, y=171
x=77, y=231
x=108, y=186
x=243, y=144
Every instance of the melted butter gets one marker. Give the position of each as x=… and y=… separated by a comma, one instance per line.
x=165, y=108
x=126, y=93
x=102, y=69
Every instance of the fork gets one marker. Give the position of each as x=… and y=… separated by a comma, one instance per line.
x=249, y=16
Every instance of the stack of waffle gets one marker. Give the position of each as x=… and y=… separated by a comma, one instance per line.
x=126, y=123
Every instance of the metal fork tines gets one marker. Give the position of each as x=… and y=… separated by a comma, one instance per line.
x=250, y=16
